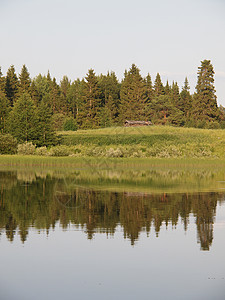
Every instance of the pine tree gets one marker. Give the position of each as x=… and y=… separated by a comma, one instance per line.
x=22, y=122
x=45, y=131
x=133, y=96
x=186, y=99
x=167, y=88
x=110, y=98
x=149, y=88
x=175, y=95
x=24, y=81
x=75, y=99
x=11, y=85
x=158, y=86
x=205, y=103
x=89, y=116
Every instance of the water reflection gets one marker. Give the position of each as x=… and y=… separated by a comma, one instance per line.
x=41, y=200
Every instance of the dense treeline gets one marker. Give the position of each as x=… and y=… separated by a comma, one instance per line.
x=43, y=202
x=33, y=109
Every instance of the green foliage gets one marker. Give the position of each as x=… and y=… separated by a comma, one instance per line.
x=42, y=151
x=23, y=122
x=58, y=120
x=11, y=85
x=60, y=151
x=158, y=86
x=4, y=111
x=205, y=105
x=8, y=144
x=70, y=124
x=45, y=130
x=133, y=96
x=24, y=81
x=88, y=116
x=110, y=98
x=26, y=149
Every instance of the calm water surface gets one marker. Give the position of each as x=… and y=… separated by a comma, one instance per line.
x=76, y=235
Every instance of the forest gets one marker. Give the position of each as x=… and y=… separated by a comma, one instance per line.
x=32, y=110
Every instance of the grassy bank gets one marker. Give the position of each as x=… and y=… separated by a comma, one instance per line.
x=153, y=141
x=70, y=162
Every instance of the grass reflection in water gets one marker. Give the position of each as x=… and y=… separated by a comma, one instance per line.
x=138, y=201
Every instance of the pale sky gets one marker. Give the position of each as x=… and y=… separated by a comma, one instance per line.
x=68, y=37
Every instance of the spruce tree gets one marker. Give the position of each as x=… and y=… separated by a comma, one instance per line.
x=205, y=103
x=45, y=132
x=22, y=122
x=149, y=88
x=24, y=81
x=186, y=99
x=75, y=100
x=158, y=86
x=89, y=116
x=11, y=85
x=110, y=98
x=133, y=96
x=175, y=95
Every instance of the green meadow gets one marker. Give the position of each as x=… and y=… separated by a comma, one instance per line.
x=146, y=142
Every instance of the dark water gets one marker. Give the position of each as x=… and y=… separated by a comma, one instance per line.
x=77, y=236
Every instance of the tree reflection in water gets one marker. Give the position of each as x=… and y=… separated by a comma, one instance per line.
x=41, y=202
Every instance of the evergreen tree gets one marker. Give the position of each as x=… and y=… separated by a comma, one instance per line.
x=11, y=85
x=75, y=99
x=205, y=104
x=186, y=99
x=23, y=120
x=58, y=103
x=89, y=116
x=4, y=111
x=110, y=99
x=167, y=88
x=133, y=96
x=175, y=95
x=39, y=88
x=24, y=81
x=158, y=86
x=45, y=131
x=149, y=88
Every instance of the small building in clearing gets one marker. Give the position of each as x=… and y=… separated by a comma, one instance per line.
x=128, y=123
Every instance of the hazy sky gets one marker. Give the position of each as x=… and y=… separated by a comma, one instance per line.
x=68, y=37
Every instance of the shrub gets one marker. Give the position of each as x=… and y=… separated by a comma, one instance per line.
x=214, y=125
x=8, y=144
x=114, y=152
x=42, y=151
x=26, y=149
x=60, y=151
x=70, y=124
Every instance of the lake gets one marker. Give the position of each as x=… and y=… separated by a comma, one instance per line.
x=112, y=233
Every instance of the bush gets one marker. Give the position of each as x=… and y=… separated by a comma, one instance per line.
x=70, y=124
x=8, y=144
x=214, y=125
x=114, y=153
x=60, y=151
x=42, y=151
x=26, y=149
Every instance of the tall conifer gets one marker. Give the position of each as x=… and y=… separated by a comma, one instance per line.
x=205, y=103
x=133, y=96
x=11, y=85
